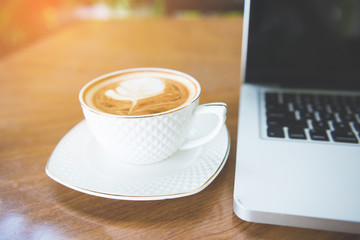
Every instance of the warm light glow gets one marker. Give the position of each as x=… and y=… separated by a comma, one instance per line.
x=22, y=21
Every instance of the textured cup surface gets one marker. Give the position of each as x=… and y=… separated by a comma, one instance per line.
x=142, y=140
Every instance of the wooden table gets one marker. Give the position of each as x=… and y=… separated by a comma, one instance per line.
x=39, y=105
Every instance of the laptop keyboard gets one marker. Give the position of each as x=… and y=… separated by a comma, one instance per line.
x=314, y=117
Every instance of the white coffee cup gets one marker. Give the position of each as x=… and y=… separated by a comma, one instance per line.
x=150, y=138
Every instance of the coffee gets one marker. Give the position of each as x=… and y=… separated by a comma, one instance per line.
x=139, y=93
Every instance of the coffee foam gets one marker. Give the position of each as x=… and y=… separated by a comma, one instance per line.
x=136, y=89
x=140, y=93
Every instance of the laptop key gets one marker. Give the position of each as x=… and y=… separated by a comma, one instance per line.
x=344, y=136
x=319, y=135
x=271, y=107
x=299, y=107
x=277, y=115
x=307, y=115
x=344, y=117
x=288, y=97
x=324, y=116
x=281, y=122
x=341, y=126
x=277, y=132
x=296, y=124
x=296, y=133
x=273, y=122
x=318, y=108
x=320, y=125
x=307, y=98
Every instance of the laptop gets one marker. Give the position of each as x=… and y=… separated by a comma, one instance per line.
x=298, y=149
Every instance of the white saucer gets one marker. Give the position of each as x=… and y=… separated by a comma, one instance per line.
x=80, y=163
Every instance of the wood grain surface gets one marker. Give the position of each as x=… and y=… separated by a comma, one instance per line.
x=39, y=105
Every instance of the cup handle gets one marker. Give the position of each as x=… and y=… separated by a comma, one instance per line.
x=217, y=109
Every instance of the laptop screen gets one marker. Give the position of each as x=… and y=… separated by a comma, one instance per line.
x=307, y=43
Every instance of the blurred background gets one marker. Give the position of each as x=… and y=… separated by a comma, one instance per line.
x=23, y=21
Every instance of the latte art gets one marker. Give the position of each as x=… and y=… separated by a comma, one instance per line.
x=136, y=94
x=135, y=89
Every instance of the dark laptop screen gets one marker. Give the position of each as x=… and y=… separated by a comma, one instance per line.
x=305, y=43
